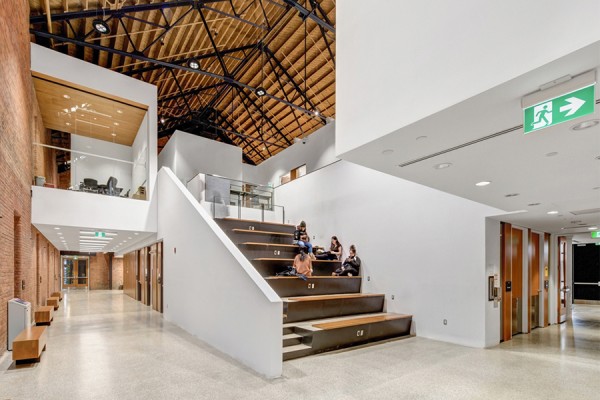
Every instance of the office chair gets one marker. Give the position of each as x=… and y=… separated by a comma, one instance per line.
x=111, y=186
x=90, y=185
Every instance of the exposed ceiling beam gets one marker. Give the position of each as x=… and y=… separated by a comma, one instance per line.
x=309, y=14
x=141, y=57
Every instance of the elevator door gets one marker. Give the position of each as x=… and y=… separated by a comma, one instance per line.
x=517, y=280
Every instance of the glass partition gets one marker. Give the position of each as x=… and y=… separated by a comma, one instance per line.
x=224, y=197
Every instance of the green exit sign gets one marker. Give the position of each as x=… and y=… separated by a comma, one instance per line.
x=559, y=109
x=596, y=235
x=100, y=234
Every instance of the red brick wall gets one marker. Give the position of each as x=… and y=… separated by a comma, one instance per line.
x=117, y=272
x=99, y=271
x=17, y=122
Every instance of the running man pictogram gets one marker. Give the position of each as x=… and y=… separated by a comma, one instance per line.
x=542, y=116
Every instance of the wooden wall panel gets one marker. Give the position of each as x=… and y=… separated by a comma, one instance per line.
x=506, y=276
x=546, y=277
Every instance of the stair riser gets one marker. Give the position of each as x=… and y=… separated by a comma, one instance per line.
x=291, y=342
x=228, y=225
x=307, y=310
x=271, y=268
x=287, y=331
x=297, y=287
x=333, y=339
x=259, y=238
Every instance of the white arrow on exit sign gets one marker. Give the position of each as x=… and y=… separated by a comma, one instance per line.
x=574, y=105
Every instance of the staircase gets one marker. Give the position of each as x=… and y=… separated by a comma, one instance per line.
x=322, y=313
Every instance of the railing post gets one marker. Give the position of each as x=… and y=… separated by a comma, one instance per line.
x=262, y=212
x=283, y=214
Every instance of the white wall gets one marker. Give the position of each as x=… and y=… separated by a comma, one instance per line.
x=61, y=66
x=317, y=152
x=188, y=155
x=72, y=208
x=140, y=154
x=399, y=62
x=100, y=168
x=425, y=247
x=211, y=290
x=493, y=232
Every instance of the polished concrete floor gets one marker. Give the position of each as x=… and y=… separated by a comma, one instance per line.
x=103, y=345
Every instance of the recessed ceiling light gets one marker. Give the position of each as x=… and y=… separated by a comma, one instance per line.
x=56, y=227
x=66, y=96
x=129, y=238
x=67, y=123
x=511, y=195
x=592, y=228
x=421, y=138
x=119, y=111
x=317, y=113
x=260, y=91
x=101, y=26
x=162, y=120
x=483, y=183
x=442, y=165
x=533, y=204
x=551, y=154
x=194, y=63
x=387, y=152
x=552, y=212
x=135, y=233
x=113, y=134
x=115, y=123
x=585, y=125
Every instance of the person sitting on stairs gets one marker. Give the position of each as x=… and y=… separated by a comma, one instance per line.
x=335, y=251
x=351, y=265
x=303, y=264
x=302, y=239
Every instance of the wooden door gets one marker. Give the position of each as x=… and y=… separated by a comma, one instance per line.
x=562, y=279
x=138, y=276
x=535, y=293
x=517, y=281
x=506, y=279
x=546, y=280
x=156, y=276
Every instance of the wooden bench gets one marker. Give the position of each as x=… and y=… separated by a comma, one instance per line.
x=359, y=321
x=44, y=315
x=29, y=344
x=270, y=244
x=57, y=294
x=236, y=230
x=53, y=301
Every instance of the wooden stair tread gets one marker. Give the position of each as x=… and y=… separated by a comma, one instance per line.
x=269, y=244
x=297, y=347
x=237, y=230
x=359, y=321
x=332, y=297
x=258, y=222
x=291, y=260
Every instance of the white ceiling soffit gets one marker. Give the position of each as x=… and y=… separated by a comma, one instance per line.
x=553, y=169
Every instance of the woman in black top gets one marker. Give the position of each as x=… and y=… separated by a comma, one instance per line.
x=335, y=250
x=351, y=265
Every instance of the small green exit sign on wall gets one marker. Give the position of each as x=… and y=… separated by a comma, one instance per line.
x=596, y=235
x=560, y=109
x=100, y=234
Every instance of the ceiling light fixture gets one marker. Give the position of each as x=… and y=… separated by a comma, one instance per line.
x=101, y=26
x=533, y=204
x=511, y=195
x=68, y=124
x=57, y=228
x=193, y=63
x=483, y=183
x=260, y=91
x=317, y=113
x=115, y=123
x=162, y=120
x=66, y=96
x=592, y=228
x=585, y=125
x=552, y=212
x=387, y=152
x=119, y=111
x=113, y=134
x=442, y=165
x=551, y=154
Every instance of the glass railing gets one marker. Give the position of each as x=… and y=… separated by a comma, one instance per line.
x=224, y=197
x=113, y=173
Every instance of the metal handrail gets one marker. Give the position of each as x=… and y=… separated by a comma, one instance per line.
x=215, y=201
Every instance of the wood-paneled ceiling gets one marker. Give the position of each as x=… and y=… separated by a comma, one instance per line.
x=286, y=47
x=83, y=111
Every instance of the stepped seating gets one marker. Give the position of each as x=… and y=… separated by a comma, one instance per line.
x=323, y=312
